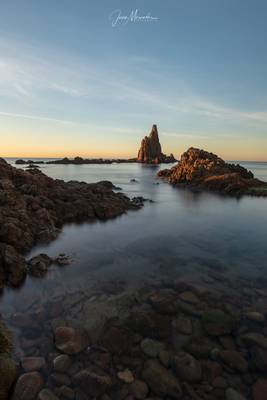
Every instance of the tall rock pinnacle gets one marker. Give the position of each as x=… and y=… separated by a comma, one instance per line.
x=150, y=150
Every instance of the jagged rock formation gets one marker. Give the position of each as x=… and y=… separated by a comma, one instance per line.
x=33, y=207
x=150, y=150
x=200, y=169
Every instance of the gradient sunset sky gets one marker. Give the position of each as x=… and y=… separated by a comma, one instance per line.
x=73, y=84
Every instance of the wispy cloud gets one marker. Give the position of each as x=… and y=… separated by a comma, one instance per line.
x=27, y=73
x=99, y=128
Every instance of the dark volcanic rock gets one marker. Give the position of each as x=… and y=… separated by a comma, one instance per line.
x=12, y=266
x=8, y=375
x=38, y=265
x=150, y=150
x=33, y=207
x=200, y=170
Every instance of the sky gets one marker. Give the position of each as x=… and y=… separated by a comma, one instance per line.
x=89, y=78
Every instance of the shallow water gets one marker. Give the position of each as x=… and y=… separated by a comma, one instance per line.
x=178, y=257
x=180, y=230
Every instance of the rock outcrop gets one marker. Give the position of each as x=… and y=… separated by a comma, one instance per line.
x=150, y=150
x=199, y=169
x=8, y=369
x=33, y=207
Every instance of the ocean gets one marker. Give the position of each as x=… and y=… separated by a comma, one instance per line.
x=206, y=249
x=180, y=230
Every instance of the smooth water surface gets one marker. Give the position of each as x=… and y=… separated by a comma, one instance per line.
x=180, y=229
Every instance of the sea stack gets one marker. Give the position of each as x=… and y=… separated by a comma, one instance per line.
x=150, y=150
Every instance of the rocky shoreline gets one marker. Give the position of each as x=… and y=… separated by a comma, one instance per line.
x=34, y=207
x=200, y=170
x=172, y=338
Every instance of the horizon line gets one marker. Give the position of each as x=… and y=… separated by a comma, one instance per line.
x=107, y=158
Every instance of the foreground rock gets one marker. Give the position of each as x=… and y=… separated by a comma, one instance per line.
x=8, y=369
x=33, y=207
x=199, y=169
x=8, y=375
x=150, y=150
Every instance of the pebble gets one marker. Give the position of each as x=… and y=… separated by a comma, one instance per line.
x=259, y=390
x=61, y=363
x=184, y=326
x=30, y=364
x=151, y=347
x=220, y=382
x=126, y=376
x=46, y=394
x=255, y=316
x=60, y=379
x=66, y=392
x=189, y=297
x=165, y=358
x=28, y=386
x=232, y=394
x=234, y=359
x=254, y=338
x=139, y=389
x=187, y=367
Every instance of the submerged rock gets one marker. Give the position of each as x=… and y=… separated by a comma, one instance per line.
x=234, y=359
x=115, y=340
x=259, y=390
x=187, y=367
x=126, y=376
x=38, y=265
x=92, y=383
x=61, y=363
x=30, y=364
x=28, y=386
x=160, y=380
x=151, y=347
x=232, y=394
x=46, y=394
x=217, y=322
x=254, y=338
x=139, y=389
x=70, y=340
x=150, y=150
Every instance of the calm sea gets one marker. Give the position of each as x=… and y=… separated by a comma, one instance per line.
x=180, y=230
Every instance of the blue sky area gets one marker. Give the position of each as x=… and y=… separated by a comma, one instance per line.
x=84, y=78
